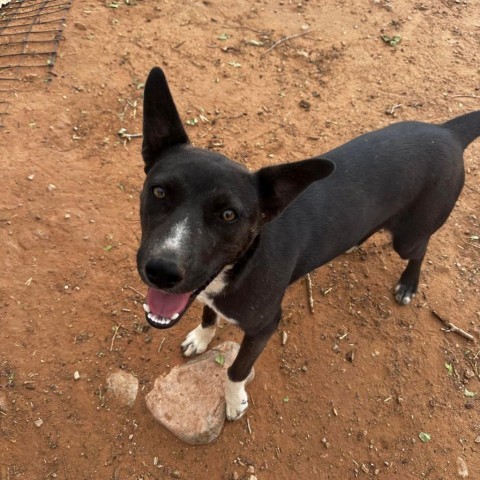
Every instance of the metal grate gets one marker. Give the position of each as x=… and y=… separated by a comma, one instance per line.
x=30, y=31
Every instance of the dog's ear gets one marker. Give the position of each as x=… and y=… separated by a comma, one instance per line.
x=162, y=127
x=281, y=184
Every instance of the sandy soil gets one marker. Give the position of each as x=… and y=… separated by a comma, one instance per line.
x=358, y=380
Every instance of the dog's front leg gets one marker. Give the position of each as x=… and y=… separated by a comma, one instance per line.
x=240, y=372
x=198, y=339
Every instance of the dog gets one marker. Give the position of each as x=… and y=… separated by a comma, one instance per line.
x=235, y=240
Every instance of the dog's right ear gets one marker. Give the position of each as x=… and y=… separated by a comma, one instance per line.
x=162, y=127
x=279, y=185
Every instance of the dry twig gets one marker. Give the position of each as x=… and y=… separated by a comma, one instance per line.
x=161, y=345
x=248, y=426
x=116, y=327
x=310, y=292
x=136, y=291
x=284, y=39
x=453, y=328
x=465, y=96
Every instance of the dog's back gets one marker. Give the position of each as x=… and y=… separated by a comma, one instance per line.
x=405, y=178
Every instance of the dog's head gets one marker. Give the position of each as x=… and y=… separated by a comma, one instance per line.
x=199, y=210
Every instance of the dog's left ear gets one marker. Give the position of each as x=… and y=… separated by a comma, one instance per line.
x=162, y=126
x=281, y=184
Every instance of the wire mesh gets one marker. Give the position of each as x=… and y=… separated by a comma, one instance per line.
x=30, y=32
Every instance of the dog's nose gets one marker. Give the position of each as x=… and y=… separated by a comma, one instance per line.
x=163, y=273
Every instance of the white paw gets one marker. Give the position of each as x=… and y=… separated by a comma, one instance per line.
x=197, y=340
x=236, y=397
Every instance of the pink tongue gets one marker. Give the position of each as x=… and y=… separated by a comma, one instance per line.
x=166, y=304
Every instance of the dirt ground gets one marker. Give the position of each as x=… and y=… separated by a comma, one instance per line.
x=356, y=382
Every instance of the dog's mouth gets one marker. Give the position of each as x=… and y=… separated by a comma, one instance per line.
x=163, y=309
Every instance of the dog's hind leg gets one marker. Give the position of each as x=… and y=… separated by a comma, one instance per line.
x=198, y=339
x=240, y=372
x=413, y=251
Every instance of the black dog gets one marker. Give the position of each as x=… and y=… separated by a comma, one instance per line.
x=237, y=239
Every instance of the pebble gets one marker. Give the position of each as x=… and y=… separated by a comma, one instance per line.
x=76, y=375
x=462, y=469
x=477, y=440
x=80, y=26
x=123, y=387
x=38, y=422
x=3, y=403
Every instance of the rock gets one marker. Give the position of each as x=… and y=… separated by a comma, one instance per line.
x=190, y=401
x=3, y=403
x=462, y=469
x=123, y=386
x=80, y=26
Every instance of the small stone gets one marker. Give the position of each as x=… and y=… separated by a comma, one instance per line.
x=80, y=26
x=51, y=187
x=462, y=469
x=477, y=439
x=31, y=177
x=235, y=475
x=3, y=403
x=67, y=216
x=176, y=474
x=38, y=422
x=469, y=373
x=190, y=400
x=305, y=105
x=123, y=386
x=76, y=375
x=251, y=469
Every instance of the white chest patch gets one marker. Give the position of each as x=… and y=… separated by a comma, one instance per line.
x=213, y=289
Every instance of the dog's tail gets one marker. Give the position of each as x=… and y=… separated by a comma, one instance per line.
x=466, y=127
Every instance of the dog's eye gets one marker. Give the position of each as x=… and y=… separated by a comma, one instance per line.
x=229, y=215
x=159, y=192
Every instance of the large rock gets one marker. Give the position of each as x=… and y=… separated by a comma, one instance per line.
x=190, y=400
x=123, y=387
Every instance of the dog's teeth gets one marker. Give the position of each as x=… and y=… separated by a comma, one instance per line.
x=146, y=308
x=175, y=316
x=157, y=319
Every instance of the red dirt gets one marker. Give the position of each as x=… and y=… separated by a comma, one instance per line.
x=358, y=380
